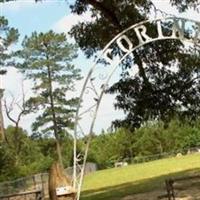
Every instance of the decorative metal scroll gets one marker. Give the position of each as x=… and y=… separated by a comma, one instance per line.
x=100, y=74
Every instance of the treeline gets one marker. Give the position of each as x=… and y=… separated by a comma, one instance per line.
x=29, y=155
x=152, y=138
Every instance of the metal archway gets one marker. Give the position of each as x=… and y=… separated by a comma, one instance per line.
x=98, y=78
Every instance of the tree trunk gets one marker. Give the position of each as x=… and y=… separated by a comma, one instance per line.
x=58, y=148
x=58, y=179
x=2, y=131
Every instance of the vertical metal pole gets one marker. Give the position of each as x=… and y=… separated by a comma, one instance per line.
x=74, y=167
x=88, y=143
x=83, y=169
x=75, y=129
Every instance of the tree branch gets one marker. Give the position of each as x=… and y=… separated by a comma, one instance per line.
x=8, y=112
x=107, y=12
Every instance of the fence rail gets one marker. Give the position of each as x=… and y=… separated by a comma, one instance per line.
x=142, y=159
x=32, y=187
x=38, y=182
x=34, y=194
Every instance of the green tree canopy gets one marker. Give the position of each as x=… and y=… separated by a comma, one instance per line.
x=27, y=159
x=157, y=91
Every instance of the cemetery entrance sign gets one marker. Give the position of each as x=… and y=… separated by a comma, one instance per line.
x=115, y=52
x=168, y=28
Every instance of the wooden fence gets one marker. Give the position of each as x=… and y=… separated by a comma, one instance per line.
x=33, y=187
x=30, y=195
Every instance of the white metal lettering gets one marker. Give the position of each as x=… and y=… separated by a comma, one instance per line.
x=141, y=34
x=159, y=29
x=107, y=56
x=121, y=45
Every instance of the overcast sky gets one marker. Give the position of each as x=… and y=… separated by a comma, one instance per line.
x=28, y=16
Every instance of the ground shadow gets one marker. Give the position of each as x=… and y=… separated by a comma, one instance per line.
x=146, y=185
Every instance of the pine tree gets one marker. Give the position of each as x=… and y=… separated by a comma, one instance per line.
x=8, y=36
x=46, y=59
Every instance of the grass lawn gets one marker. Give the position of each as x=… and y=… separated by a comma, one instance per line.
x=112, y=184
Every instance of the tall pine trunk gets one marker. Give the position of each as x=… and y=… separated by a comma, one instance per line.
x=55, y=127
x=2, y=131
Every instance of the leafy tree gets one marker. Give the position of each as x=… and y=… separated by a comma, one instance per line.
x=184, y=5
x=46, y=59
x=154, y=138
x=157, y=91
x=8, y=36
x=151, y=141
x=27, y=159
x=47, y=148
x=167, y=94
x=108, y=148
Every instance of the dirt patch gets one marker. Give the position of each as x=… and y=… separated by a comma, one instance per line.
x=189, y=194
x=144, y=196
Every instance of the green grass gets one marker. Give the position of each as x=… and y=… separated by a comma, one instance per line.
x=112, y=184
